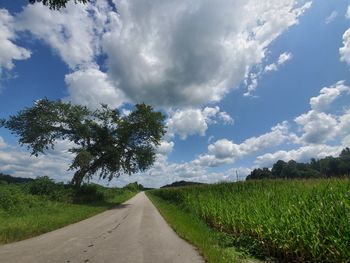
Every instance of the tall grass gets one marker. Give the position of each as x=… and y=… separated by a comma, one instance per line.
x=289, y=220
x=37, y=207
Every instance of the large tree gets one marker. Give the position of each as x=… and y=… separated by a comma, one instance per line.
x=57, y=4
x=105, y=142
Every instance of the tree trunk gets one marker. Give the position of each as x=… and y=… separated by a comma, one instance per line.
x=78, y=179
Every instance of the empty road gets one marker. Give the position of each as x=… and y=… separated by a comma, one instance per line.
x=131, y=232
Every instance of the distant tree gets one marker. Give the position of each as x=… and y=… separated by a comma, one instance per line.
x=105, y=141
x=277, y=168
x=329, y=166
x=345, y=153
x=134, y=186
x=57, y=4
x=257, y=174
x=315, y=164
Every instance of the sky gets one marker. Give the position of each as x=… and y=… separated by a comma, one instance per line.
x=242, y=83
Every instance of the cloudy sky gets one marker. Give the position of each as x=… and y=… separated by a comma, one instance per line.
x=243, y=83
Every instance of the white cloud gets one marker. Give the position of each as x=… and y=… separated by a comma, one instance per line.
x=225, y=118
x=9, y=51
x=195, y=121
x=165, y=147
x=191, y=52
x=282, y=59
x=345, y=49
x=317, y=127
x=302, y=154
x=252, y=78
x=331, y=17
x=328, y=95
x=347, y=15
x=17, y=162
x=343, y=127
x=2, y=143
x=91, y=87
x=225, y=151
x=73, y=32
x=164, y=172
x=165, y=53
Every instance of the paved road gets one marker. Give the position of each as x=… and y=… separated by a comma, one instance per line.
x=131, y=233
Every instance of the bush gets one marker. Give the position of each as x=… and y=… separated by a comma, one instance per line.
x=13, y=200
x=42, y=186
x=46, y=187
x=88, y=193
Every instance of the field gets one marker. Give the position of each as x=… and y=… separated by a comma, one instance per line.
x=30, y=209
x=291, y=220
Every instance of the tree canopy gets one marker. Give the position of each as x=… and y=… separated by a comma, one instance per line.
x=105, y=142
x=57, y=4
x=325, y=167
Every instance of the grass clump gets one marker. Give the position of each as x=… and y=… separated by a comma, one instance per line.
x=38, y=206
x=288, y=220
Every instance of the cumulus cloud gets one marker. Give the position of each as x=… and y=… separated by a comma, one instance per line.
x=282, y=59
x=164, y=172
x=302, y=154
x=347, y=15
x=17, y=162
x=317, y=126
x=345, y=49
x=191, y=52
x=331, y=17
x=225, y=118
x=190, y=121
x=343, y=127
x=165, y=53
x=328, y=95
x=252, y=80
x=73, y=32
x=225, y=151
x=165, y=147
x=91, y=87
x=9, y=51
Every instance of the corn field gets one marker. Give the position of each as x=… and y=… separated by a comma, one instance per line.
x=294, y=221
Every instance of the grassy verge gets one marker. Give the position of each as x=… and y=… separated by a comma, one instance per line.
x=290, y=220
x=212, y=244
x=24, y=215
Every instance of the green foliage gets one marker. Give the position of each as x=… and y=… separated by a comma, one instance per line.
x=30, y=209
x=106, y=143
x=134, y=187
x=326, y=167
x=57, y=4
x=290, y=220
x=88, y=193
x=215, y=246
x=4, y=178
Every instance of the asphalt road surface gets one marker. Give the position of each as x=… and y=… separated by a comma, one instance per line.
x=131, y=232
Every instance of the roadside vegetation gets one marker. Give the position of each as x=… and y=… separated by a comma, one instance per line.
x=213, y=244
x=290, y=220
x=34, y=207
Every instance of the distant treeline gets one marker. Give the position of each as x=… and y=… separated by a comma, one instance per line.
x=181, y=183
x=326, y=167
x=10, y=179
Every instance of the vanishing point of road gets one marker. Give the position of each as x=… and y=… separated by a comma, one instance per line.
x=130, y=233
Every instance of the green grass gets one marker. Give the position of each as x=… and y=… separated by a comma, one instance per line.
x=289, y=220
x=24, y=215
x=212, y=244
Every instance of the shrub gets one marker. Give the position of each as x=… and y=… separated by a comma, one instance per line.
x=88, y=193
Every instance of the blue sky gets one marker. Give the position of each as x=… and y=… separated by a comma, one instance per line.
x=243, y=83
